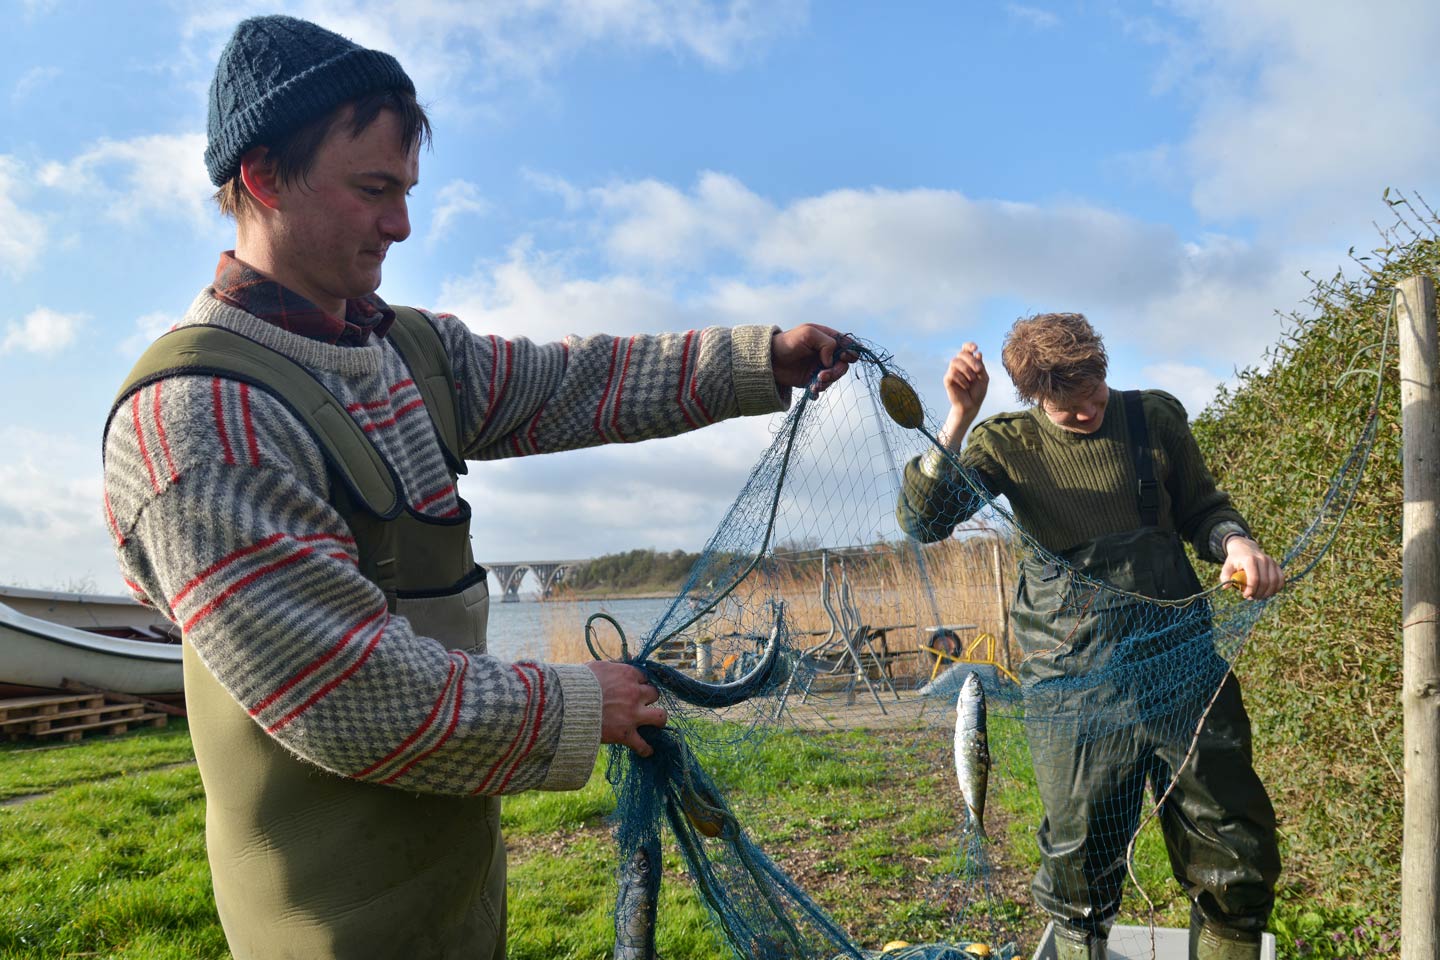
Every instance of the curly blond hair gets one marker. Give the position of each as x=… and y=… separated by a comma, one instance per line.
x=1053, y=356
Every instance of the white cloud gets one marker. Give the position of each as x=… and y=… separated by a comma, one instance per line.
x=51, y=520
x=533, y=295
x=456, y=199
x=925, y=261
x=660, y=225
x=42, y=331
x=24, y=235
x=453, y=49
x=32, y=80
x=668, y=494
x=152, y=176
x=1033, y=16
x=1193, y=386
x=1306, y=112
x=147, y=328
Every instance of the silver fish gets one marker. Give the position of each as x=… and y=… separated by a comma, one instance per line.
x=972, y=750
x=636, y=903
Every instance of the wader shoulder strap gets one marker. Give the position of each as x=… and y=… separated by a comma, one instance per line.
x=213, y=351
x=1149, y=491
x=424, y=353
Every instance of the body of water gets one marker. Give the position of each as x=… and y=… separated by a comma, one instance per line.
x=519, y=630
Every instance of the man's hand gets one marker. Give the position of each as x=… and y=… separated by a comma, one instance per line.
x=966, y=383
x=1263, y=576
x=796, y=354
x=628, y=704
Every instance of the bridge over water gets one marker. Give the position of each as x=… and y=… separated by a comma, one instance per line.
x=510, y=573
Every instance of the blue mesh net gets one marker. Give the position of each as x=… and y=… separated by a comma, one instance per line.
x=811, y=607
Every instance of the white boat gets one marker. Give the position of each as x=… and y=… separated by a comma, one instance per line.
x=49, y=640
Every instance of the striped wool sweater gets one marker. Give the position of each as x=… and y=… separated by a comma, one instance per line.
x=216, y=500
x=1068, y=488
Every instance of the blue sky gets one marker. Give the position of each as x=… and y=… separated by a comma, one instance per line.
x=920, y=173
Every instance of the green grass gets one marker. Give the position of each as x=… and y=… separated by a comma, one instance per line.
x=27, y=768
x=111, y=861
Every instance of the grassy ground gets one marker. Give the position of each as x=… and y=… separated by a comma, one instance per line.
x=109, y=860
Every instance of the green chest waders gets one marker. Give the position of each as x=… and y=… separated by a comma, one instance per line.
x=305, y=864
x=1113, y=690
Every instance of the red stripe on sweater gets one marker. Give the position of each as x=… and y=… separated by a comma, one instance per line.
x=391, y=421
x=372, y=405
x=620, y=392
x=324, y=691
x=223, y=562
x=140, y=438
x=415, y=734
x=240, y=584
x=315, y=664
x=684, y=375
x=317, y=537
x=449, y=730
x=110, y=518
x=495, y=768
x=377, y=404
x=160, y=432
x=695, y=379
x=534, y=729
x=437, y=495
x=250, y=439
x=609, y=379
x=219, y=404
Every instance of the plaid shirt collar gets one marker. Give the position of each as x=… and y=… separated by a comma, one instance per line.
x=241, y=285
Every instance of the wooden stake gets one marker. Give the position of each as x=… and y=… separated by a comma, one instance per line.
x=1004, y=636
x=1420, y=423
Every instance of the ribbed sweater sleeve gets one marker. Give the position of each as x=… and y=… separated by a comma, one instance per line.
x=519, y=398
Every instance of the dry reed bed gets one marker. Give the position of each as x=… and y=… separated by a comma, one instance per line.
x=908, y=588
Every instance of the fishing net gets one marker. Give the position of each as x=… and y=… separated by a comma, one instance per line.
x=811, y=606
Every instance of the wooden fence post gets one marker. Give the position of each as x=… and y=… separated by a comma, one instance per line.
x=1004, y=638
x=1420, y=425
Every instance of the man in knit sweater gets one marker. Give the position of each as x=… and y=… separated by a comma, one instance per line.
x=351, y=732
x=1107, y=484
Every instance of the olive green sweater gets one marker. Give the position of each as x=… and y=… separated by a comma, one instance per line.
x=1067, y=488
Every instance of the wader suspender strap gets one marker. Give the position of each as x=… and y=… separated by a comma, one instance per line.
x=1149, y=490
x=424, y=353
x=214, y=351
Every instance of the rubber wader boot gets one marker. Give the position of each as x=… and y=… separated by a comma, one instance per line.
x=1209, y=942
x=1077, y=945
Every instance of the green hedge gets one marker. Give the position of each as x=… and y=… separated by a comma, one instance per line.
x=1322, y=672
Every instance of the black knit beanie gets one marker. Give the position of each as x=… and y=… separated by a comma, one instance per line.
x=277, y=74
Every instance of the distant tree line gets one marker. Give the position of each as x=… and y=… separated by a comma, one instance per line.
x=632, y=571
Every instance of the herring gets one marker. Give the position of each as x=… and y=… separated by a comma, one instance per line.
x=972, y=750
x=636, y=903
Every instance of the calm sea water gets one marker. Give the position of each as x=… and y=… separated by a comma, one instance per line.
x=518, y=630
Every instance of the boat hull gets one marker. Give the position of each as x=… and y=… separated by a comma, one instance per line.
x=36, y=652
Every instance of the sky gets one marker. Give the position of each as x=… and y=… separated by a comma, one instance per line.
x=918, y=172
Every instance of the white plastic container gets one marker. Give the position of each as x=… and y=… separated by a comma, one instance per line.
x=1134, y=943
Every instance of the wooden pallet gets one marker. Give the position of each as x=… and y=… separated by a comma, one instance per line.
x=68, y=717
x=678, y=653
